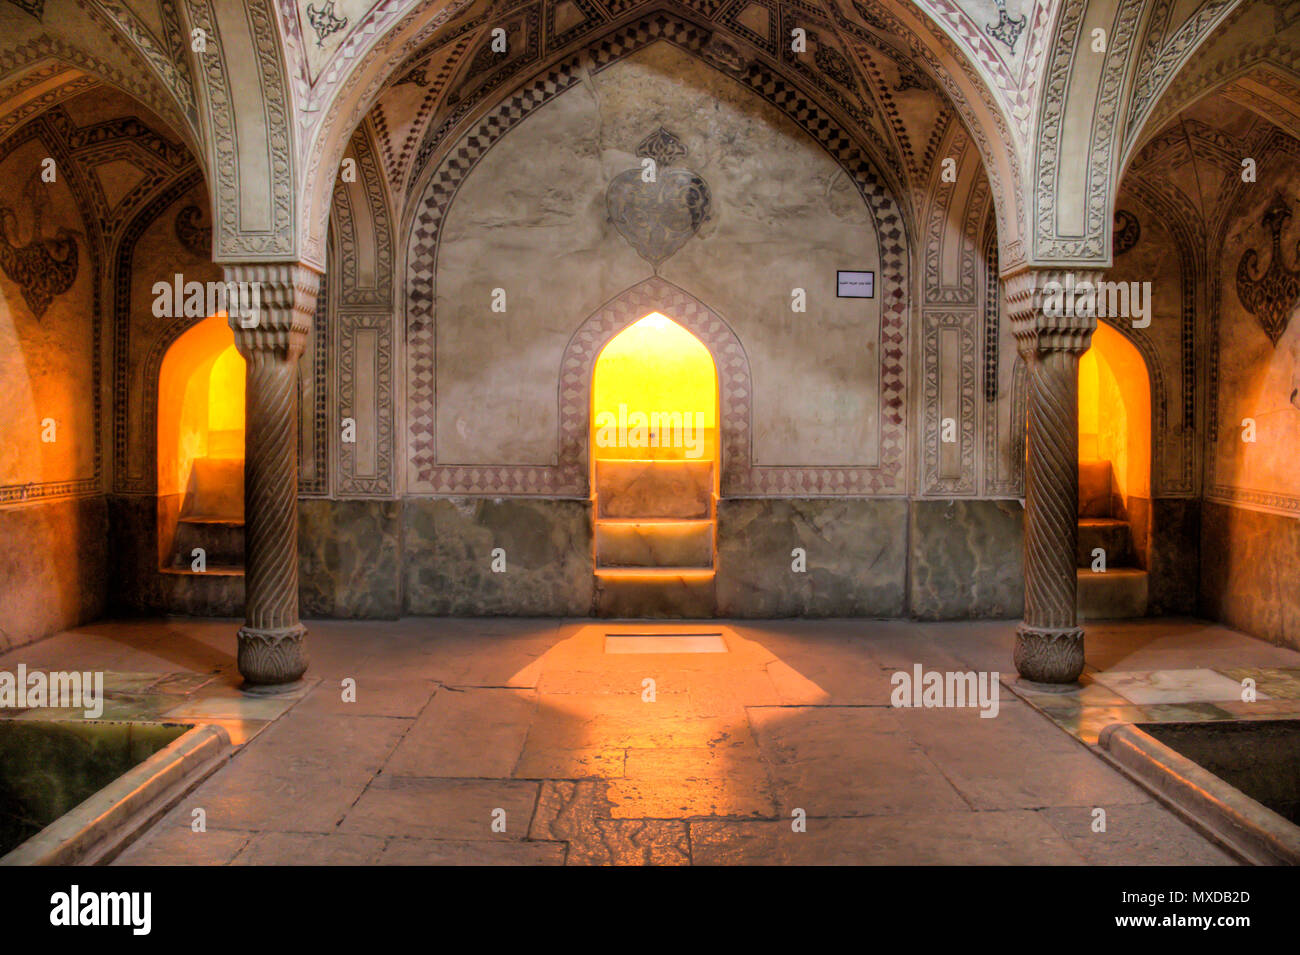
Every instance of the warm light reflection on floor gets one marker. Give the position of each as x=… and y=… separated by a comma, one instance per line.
x=669, y=734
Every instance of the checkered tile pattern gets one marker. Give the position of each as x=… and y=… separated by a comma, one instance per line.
x=569, y=476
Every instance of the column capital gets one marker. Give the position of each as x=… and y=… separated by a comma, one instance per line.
x=1052, y=309
x=270, y=308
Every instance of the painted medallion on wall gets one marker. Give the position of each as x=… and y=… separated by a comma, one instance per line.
x=45, y=266
x=658, y=206
x=1272, y=295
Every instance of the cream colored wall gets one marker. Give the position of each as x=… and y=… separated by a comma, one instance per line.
x=1256, y=379
x=531, y=219
x=46, y=362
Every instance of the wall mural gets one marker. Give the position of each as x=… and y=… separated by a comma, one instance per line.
x=34, y=7
x=658, y=216
x=45, y=266
x=197, y=238
x=1272, y=296
x=1008, y=28
x=1127, y=231
x=324, y=22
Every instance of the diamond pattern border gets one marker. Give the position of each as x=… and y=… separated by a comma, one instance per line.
x=739, y=475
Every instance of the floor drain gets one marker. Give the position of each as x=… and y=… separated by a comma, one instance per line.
x=665, y=643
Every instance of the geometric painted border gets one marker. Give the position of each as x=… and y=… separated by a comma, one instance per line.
x=887, y=477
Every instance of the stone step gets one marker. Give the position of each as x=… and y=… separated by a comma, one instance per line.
x=217, y=593
x=1096, y=490
x=1118, y=594
x=222, y=540
x=654, y=489
x=661, y=592
x=660, y=543
x=215, y=489
x=1113, y=536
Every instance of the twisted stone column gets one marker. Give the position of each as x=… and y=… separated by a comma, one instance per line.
x=1049, y=641
x=271, y=338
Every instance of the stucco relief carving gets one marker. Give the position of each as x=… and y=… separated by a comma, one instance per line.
x=1156, y=68
x=1012, y=96
x=168, y=61
x=1049, y=242
x=376, y=242
x=960, y=361
x=225, y=165
x=658, y=209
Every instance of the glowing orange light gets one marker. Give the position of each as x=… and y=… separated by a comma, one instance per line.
x=200, y=402
x=654, y=395
x=1115, y=411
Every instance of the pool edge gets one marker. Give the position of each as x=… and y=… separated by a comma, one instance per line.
x=96, y=830
x=1251, y=830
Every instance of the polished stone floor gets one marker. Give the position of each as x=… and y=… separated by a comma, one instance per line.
x=535, y=742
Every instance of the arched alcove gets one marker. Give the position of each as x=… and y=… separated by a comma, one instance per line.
x=201, y=445
x=1115, y=514
x=654, y=448
x=1115, y=420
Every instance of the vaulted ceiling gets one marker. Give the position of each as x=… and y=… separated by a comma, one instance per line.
x=1054, y=120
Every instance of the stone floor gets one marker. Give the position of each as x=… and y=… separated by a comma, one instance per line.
x=524, y=741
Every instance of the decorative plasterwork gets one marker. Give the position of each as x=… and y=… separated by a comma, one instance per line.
x=233, y=241
x=350, y=380
x=79, y=185
x=162, y=57
x=40, y=51
x=1212, y=65
x=659, y=214
x=1069, y=51
x=938, y=325
x=71, y=83
x=1002, y=140
x=1160, y=61
x=133, y=472
x=45, y=266
x=442, y=186
x=1270, y=294
x=389, y=60
x=369, y=189
x=327, y=117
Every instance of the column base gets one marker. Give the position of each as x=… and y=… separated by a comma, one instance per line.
x=272, y=657
x=1044, y=655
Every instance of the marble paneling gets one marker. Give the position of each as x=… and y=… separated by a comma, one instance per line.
x=967, y=559
x=447, y=554
x=133, y=522
x=677, y=489
x=855, y=548
x=1173, y=555
x=139, y=586
x=53, y=567
x=348, y=558
x=1250, y=571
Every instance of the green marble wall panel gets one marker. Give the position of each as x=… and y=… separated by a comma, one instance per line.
x=855, y=549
